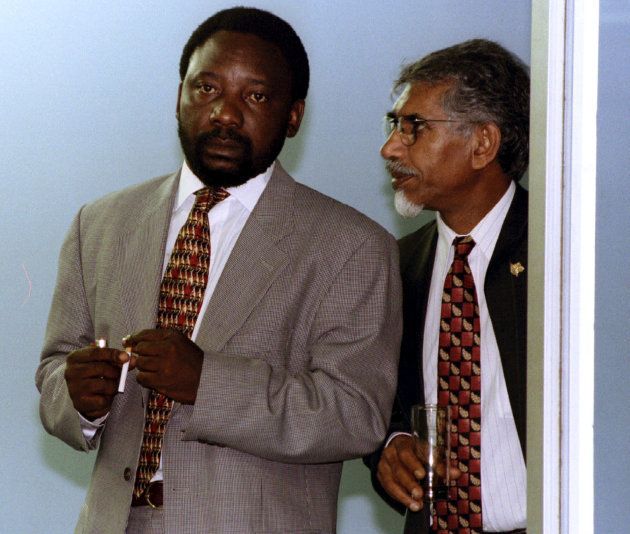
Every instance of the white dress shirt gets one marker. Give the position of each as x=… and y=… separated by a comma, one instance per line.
x=226, y=219
x=503, y=474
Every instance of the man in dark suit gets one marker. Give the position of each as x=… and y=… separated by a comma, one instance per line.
x=458, y=144
x=264, y=346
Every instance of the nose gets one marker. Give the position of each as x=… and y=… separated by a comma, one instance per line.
x=392, y=147
x=226, y=112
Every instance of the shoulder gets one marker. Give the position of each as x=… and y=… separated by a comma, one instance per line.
x=139, y=196
x=337, y=216
x=520, y=202
x=318, y=216
x=512, y=241
x=129, y=205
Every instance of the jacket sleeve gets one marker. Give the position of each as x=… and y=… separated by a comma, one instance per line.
x=69, y=328
x=339, y=408
x=398, y=423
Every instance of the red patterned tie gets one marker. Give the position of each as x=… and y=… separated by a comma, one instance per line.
x=459, y=387
x=181, y=297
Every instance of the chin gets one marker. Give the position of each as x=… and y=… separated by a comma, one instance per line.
x=221, y=178
x=405, y=207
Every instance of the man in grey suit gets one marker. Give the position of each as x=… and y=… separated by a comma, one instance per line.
x=458, y=144
x=290, y=365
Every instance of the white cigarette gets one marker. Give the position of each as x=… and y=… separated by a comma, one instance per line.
x=123, y=374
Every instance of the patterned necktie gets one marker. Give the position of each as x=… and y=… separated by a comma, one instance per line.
x=459, y=388
x=181, y=297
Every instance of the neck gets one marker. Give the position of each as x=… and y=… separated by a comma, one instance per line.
x=467, y=214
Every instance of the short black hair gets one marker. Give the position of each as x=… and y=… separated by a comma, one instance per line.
x=262, y=24
x=490, y=84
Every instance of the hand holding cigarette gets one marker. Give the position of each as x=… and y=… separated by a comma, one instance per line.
x=167, y=361
x=92, y=374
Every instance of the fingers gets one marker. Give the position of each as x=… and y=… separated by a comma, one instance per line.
x=399, y=472
x=93, y=406
x=91, y=355
x=92, y=396
x=91, y=376
x=132, y=358
x=148, y=344
x=403, y=445
x=90, y=362
x=159, y=350
x=397, y=487
x=167, y=361
x=140, y=347
x=454, y=473
x=153, y=334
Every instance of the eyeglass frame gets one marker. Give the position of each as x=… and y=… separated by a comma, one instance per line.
x=394, y=122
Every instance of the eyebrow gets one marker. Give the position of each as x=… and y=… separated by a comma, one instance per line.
x=211, y=74
x=409, y=116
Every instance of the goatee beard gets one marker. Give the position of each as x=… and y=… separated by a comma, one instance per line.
x=194, y=152
x=405, y=207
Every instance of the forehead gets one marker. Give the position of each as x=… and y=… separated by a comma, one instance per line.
x=422, y=99
x=227, y=52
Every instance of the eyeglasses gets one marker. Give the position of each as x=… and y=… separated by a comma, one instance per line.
x=408, y=126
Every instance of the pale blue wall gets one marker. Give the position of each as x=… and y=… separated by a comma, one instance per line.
x=87, y=105
x=612, y=288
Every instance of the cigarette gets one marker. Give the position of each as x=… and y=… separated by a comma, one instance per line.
x=123, y=373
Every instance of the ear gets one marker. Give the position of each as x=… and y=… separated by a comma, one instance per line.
x=295, y=117
x=179, y=97
x=487, y=140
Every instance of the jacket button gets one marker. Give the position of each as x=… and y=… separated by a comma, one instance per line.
x=127, y=474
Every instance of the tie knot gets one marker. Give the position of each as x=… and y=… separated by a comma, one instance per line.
x=463, y=245
x=208, y=197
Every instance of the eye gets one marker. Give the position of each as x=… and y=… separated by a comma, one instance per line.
x=206, y=88
x=258, y=97
x=391, y=123
x=407, y=125
x=414, y=124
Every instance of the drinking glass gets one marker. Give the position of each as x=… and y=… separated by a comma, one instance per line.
x=430, y=425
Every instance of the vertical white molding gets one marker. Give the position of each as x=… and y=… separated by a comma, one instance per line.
x=545, y=268
x=578, y=357
x=562, y=266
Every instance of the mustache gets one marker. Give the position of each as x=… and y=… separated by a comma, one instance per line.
x=395, y=168
x=223, y=133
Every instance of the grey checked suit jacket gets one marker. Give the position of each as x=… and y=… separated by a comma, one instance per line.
x=301, y=340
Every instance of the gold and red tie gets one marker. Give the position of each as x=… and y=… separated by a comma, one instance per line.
x=459, y=388
x=181, y=297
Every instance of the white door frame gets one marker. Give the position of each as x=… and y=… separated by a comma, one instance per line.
x=562, y=266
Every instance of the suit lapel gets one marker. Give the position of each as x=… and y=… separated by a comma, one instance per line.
x=513, y=230
x=506, y=295
x=141, y=255
x=417, y=268
x=253, y=264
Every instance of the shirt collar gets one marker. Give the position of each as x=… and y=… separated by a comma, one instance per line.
x=246, y=194
x=486, y=233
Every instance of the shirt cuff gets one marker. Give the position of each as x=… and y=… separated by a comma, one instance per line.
x=90, y=428
x=392, y=436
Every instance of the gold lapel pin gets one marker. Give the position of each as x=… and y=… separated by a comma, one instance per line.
x=516, y=268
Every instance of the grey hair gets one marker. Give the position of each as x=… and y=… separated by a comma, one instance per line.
x=489, y=84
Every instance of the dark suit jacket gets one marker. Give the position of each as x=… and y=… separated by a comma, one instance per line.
x=506, y=295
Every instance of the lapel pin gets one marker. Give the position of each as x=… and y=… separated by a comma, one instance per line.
x=516, y=268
